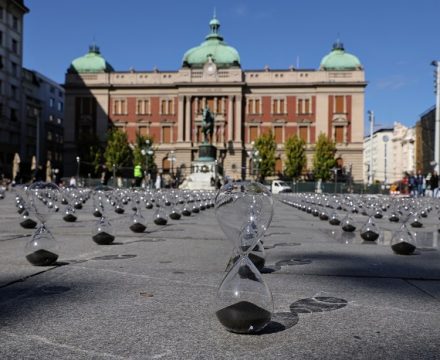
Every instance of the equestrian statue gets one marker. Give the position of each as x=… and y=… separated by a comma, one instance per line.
x=207, y=125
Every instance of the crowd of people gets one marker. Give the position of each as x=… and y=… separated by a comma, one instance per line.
x=418, y=185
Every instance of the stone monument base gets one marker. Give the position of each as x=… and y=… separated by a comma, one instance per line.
x=202, y=176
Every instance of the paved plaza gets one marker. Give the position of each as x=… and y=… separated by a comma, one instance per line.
x=151, y=295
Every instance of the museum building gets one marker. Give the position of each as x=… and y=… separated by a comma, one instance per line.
x=245, y=103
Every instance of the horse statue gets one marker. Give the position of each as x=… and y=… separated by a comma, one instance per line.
x=207, y=125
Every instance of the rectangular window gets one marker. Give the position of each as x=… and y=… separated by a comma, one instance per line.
x=142, y=107
x=51, y=102
x=119, y=107
x=303, y=133
x=303, y=106
x=339, y=104
x=307, y=109
x=50, y=118
x=339, y=134
x=278, y=132
x=14, y=69
x=14, y=92
x=59, y=121
x=278, y=106
x=13, y=116
x=15, y=22
x=1, y=38
x=14, y=46
x=250, y=105
x=257, y=106
x=253, y=133
x=164, y=107
x=166, y=134
x=49, y=135
x=1, y=62
x=1, y=13
x=60, y=106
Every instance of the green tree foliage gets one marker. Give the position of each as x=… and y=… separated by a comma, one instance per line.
x=324, y=157
x=295, y=156
x=118, y=151
x=139, y=153
x=266, y=146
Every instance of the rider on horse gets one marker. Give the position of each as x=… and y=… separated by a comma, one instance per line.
x=207, y=125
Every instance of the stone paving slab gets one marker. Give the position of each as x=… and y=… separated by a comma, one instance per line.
x=151, y=296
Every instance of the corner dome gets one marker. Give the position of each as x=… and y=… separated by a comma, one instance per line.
x=338, y=59
x=214, y=49
x=91, y=62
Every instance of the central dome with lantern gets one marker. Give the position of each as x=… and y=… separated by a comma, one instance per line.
x=212, y=49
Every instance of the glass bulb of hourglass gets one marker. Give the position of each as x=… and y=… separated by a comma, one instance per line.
x=402, y=242
x=369, y=231
x=138, y=222
x=42, y=249
x=103, y=232
x=69, y=214
x=244, y=302
x=347, y=224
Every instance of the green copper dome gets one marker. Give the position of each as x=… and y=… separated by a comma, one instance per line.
x=213, y=47
x=338, y=59
x=91, y=62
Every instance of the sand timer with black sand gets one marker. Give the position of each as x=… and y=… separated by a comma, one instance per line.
x=402, y=242
x=369, y=231
x=103, y=232
x=244, y=302
x=137, y=221
x=42, y=248
x=348, y=224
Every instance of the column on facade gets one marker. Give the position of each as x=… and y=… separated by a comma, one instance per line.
x=180, y=119
x=237, y=132
x=230, y=117
x=188, y=119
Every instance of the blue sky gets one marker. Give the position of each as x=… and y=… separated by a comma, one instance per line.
x=395, y=40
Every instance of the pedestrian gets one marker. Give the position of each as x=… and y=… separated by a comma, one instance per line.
x=434, y=184
x=138, y=175
x=412, y=185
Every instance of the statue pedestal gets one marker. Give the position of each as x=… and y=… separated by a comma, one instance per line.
x=203, y=170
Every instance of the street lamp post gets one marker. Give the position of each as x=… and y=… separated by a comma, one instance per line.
x=78, y=162
x=437, y=115
x=147, y=152
x=370, y=173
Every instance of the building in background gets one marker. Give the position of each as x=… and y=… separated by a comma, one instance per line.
x=404, y=151
x=425, y=142
x=167, y=105
x=11, y=58
x=43, y=104
x=382, y=158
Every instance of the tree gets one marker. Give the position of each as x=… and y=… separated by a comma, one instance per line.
x=296, y=156
x=266, y=147
x=324, y=157
x=118, y=151
x=139, y=155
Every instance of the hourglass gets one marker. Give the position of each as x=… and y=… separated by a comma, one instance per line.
x=103, y=232
x=137, y=219
x=402, y=242
x=369, y=231
x=244, y=302
x=42, y=249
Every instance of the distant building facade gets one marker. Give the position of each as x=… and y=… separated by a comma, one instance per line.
x=246, y=103
x=404, y=151
x=425, y=140
x=43, y=103
x=11, y=58
x=393, y=154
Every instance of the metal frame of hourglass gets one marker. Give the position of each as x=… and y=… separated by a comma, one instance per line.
x=42, y=248
x=244, y=302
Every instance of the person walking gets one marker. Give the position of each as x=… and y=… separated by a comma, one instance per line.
x=138, y=175
x=434, y=184
x=421, y=184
